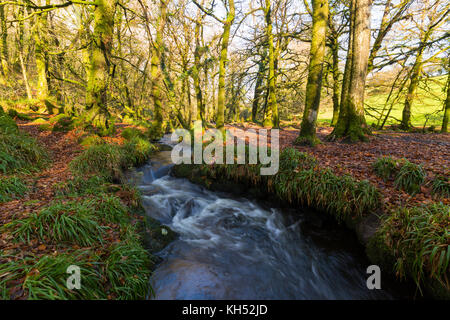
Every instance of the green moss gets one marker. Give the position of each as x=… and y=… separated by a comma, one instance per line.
x=63, y=124
x=311, y=141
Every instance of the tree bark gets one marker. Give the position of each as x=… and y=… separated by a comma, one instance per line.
x=444, y=128
x=315, y=73
x=258, y=87
x=220, y=116
x=271, y=111
x=99, y=73
x=414, y=83
x=4, y=45
x=351, y=123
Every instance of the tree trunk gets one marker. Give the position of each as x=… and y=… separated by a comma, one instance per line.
x=4, y=45
x=271, y=111
x=258, y=87
x=19, y=47
x=351, y=123
x=99, y=73
x=196, y=71
x=40, y=54
x=413, y=84
x=315, y=73
x=155, y=68
x=444, y=128
x=336, y=79
x=222, y=65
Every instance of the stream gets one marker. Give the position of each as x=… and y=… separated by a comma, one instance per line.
x=232, y=247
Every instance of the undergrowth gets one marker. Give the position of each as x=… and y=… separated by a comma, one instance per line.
x=18, y=151
x=11, y=188
x=407, y=176
x=419, y=238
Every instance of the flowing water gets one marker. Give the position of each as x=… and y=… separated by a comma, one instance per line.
x=233, y=247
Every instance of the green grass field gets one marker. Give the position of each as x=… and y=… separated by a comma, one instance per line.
x=429, y=103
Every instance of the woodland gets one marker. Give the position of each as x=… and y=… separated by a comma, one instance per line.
x=358, y=89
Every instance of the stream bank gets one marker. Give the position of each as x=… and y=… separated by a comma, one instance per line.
x=364, y=226
x=234, y=247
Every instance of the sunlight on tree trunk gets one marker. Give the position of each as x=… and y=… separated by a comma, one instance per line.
x=99, y=73
x=220, y=116
x=351, y=123
x=271, y=111
x=315, y=72
x=444, y=128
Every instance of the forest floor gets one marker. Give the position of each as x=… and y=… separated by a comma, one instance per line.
x=62, y=148
x=430, y=150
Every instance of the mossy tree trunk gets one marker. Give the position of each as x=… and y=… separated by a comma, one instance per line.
x=100, y=65
x=315, y=73
x=333, y=44
x=155, y=68
x=196, y=70
x=336, y=80
x=351, y=124
x=220, y=116
x=415, y=76
x=4, y=45
x=258, y=86
x=20, y=49
x=271, y=111
x=444, y=128
x=40, y=54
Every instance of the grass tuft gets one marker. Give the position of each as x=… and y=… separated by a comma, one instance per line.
x=410, y=177
x=72, y=222
x=419, y=238
x=11, y=188
x=440, y=186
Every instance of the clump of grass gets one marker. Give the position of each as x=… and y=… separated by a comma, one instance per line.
x=136, y=151
x=105, y=160
x=11, y=188
x=419, y=238
x=80, y=186
x=291, y=159
x=342, y=197
x=307, y=185
x=7, y=124
x=440, y=186
x=12, y=113
x=386, y=167
x=410, y=177
x=45, y=277
x=407, y=175
x=111, y=209
x=91, y=140
x=130, y=133
x=72, y=222
x=109, y=160
x=128, y=269
x=20, y=152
